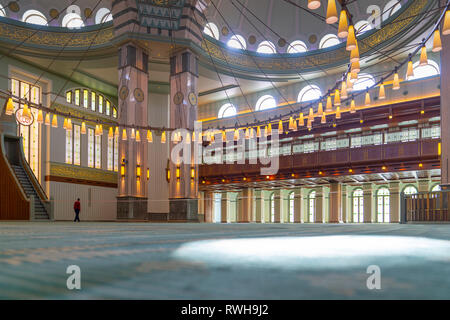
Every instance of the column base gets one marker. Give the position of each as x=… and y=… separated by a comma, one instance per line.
x=132, y=208
x=183, y=209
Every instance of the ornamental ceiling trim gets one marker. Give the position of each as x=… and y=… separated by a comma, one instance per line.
x=312, y=60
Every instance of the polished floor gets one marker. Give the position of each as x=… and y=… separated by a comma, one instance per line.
x=234, y=261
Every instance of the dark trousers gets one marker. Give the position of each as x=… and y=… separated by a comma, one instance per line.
x=77, y=218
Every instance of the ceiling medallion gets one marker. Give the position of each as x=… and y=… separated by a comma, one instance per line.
x=54, y=14
x=192, y=99
x=281, y=42
x=13, y=6
x=178, y=98
x=123, y=93
x=312, y=39
x=88, y=12
x=252, y=39
x=139, y=94
x=225, y=31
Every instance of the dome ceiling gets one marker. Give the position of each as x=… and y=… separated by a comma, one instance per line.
x=259, y=21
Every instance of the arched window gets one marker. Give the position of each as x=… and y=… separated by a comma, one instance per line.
x=227, y=110
x=311, y=206
x=34, y=17
x=72, y=21
x=265, y=102
x=364, y=81
x=237, y=42
x=211, y=30
x=2, y=11
x=362, y=26
x=410, y=190
x=291, y=206
x=329, y=40
x=272, y=207
x=436, y=188
x=103, y=15
x=297, y=46
x=266, y=47
x=429, y=70
x=390, y=8
x=358, y=205
x=383, y=210
x=309, y=93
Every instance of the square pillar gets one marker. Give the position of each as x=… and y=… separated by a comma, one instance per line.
x=344, y=205
x=245, y=205
x=335, y=202
x=320, y=205
x=209, y=206
x=394, y=201
x=259, y=206
x=368, y=202
x=298, y=205
x=278, y=206
x=445, y=110
x=224, y=207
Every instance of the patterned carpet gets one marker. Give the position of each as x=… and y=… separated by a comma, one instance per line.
x=234, y=261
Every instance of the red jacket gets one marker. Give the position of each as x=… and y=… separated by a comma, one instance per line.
x=76, y=205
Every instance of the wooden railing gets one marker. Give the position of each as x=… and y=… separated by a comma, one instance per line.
x=426, y=207
x=14, y=204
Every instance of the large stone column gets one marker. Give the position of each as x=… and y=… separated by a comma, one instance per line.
x=259, y=206
x=183, y=186
x=445, y=111
x=245, y=205
x=224, y=207
x=368, y=202
x=394, y=201
x=344, y=205
x=298, y=199
x=133, y=93
x=319, y=205
x=335, y=202
x=209, y=206
x=278, y=206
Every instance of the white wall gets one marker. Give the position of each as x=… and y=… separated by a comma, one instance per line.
x=97, y=203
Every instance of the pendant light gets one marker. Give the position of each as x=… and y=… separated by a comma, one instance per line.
x=47, y=119
x=9, y=107
x=343, y=25
x=149, y=136
x=410, y=70
x=224, y=136
x=116, y=131
x=258, y=132
x=40, y=117
x=133, y=134
x=163, y=137
x=367, y=99
x=382, y=94
x=138, y=136
x=351, y=39
x=291, y=123
x=331, y=12
x=110, y=132
x=446, y=26
x=396, y=84
x=356, y=67
x=124, y=135
x=337, y=98
x=247, y=134
x=344, y=94
x=437, y=43
x=26, y=112
x=301, y=120
x=252, y=133
x=280, y=127
x=324, y=119
x=269, y=129
x=338, y=112
x=65, y=125
x=352, y=106
x=320, y=109
x=354, y=54
x=69, y=124
x=236, y=134
x=423, y=56
x=329, y=104
x=55, y=121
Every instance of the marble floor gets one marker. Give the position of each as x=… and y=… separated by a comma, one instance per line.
x=230, y=261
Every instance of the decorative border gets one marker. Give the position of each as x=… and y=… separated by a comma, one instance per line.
x=60, y=172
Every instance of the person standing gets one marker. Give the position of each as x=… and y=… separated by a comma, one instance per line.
x=77, y=208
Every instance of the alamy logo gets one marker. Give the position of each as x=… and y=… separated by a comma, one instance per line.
x=374, y=280
x=74, y=280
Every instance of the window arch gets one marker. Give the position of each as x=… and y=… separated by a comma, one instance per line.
x=362, y=26
x=297, y=46
x=410, y=190
x=2, y=11
x=266, y=47
x=436, y=188
x=309, y=93
x=227, y=110
x=272, y=207
x=311, y=206
x=358, y=205
x=238, y=42
x=390, y=8
x=72, y=21
x=429, y=70
x=103, y=15
x=211, y=30
x=266, y=102
x=291, y=199
x=363, y=82
x=329, y=40
x=383, y=209
x=34, y=17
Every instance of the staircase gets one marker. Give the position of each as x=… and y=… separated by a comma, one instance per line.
x=40, y=213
